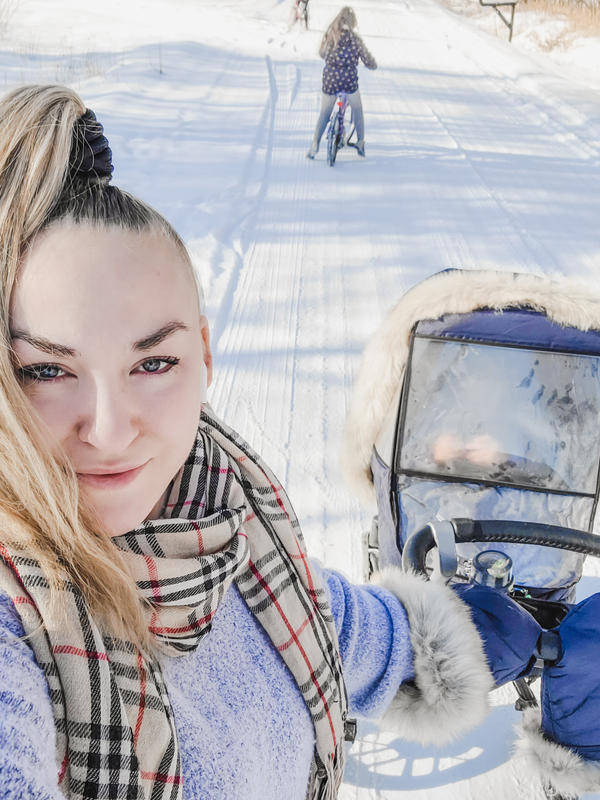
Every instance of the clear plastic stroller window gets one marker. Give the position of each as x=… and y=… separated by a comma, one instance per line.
x=502, y=414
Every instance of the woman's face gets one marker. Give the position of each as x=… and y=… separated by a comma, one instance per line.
x=111, y=345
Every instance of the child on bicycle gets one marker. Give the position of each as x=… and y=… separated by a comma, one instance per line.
x=342, y=48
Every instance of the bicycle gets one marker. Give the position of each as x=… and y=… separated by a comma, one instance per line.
x=336, y=138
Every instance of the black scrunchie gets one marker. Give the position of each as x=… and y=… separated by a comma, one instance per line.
x=90, y=153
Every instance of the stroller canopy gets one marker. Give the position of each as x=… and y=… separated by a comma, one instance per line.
x=373, y=408
x=480, y=397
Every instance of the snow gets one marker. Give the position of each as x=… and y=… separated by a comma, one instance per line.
x=480, y=154
x=569, y=44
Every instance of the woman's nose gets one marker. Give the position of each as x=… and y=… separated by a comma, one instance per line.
x=110, y=422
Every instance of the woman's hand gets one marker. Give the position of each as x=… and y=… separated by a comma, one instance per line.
x=509, y=633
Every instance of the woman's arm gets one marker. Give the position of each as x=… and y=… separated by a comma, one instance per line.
x=364, y=54
x=28, y=768
x=411, y=652
x=373, y=633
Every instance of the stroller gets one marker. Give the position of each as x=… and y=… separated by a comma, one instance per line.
x=475, y=425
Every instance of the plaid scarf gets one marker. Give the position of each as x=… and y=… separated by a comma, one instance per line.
x=225, y=519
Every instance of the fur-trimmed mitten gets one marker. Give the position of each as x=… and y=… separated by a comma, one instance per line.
x=463, y=647
x=561, y=741
x=509, y=634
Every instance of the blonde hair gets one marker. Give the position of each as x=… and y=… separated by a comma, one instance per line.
x=344, y=20
x=41, y=511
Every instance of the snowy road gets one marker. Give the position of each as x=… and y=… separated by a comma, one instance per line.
x=477, y=156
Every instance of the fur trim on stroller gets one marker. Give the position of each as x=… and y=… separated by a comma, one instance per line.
x=559, y=766
x=449, y=695
x=565, y=301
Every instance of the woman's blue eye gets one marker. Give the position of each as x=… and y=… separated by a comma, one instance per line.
x=154, y=366
x=52, y=372
x=41, y=372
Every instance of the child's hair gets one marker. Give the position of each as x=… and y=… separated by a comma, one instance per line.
x=344, y=20
x=48, y=175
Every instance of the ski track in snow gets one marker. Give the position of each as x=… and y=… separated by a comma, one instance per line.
x=477, y=156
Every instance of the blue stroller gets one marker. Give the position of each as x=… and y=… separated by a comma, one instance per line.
x=475, y=425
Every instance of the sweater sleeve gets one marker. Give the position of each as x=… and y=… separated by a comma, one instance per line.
x=411, y=654
x=27, y=735
x=373, y=634
x=365, y=55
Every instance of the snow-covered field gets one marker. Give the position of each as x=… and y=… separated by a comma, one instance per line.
x=479, y=154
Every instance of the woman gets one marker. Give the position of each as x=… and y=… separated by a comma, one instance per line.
x=162, y=631
x=342, y=48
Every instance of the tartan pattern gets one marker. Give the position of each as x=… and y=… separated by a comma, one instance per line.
x=115, y=733
x=226, y=518
x=281, y=591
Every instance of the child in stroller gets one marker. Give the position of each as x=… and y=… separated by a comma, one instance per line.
x=479, y=398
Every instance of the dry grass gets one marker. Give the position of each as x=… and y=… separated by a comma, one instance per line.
x=582, y=16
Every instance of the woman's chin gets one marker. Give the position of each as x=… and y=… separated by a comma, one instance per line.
x=122, y=510
x=119, y=521
x=116, y=522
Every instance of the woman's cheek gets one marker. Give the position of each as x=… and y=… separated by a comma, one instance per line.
x=57, y=406
x=175, y=400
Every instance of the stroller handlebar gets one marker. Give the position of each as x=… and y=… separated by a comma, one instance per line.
x=515, y=532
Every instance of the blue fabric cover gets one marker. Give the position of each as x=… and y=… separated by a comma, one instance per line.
x=516, y=326
x=571, y=687
x=509, y=633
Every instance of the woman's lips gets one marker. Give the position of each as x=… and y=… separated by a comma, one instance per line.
x=109, y=480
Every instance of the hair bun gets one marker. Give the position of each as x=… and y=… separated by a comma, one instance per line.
x=90, y=152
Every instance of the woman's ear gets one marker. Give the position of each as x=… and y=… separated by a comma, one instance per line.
x=208, y=360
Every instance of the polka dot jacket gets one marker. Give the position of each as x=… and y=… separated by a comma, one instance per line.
x=340, y=73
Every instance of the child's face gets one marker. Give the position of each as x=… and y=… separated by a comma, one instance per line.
x=110, y=345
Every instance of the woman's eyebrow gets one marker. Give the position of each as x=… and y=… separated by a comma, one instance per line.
x=45, y=345
x=150, y=341
x=55, y=349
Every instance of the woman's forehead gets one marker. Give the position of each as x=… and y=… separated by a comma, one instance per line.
x=76, y=277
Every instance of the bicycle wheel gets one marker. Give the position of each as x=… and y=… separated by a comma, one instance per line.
x=333, y=140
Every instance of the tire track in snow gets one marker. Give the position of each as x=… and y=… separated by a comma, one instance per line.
x=283, y=335
x=459, y=250
x=540, y=254
x=538, y=105
x=241, y=220
x=258, y=285
x=466, y=144
x=557, y=139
